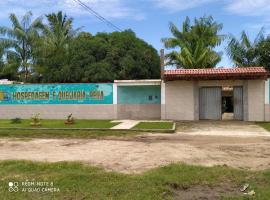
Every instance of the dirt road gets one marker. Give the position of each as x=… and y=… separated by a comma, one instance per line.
x=139, y=153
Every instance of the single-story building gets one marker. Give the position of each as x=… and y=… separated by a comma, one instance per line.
x=216, y=94
x=182, y=94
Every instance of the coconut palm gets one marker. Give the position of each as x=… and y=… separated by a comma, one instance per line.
x=54, y=43
x=243, y=52
x=196, y=43
x=59, y=31
x=18, y=40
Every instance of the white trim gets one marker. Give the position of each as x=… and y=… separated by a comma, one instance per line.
x=267, y=91
x=138, y=82
x=114, y=93
x=163, y=92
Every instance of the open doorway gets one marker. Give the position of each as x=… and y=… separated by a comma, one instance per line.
x=221, y=103
x=227, y=103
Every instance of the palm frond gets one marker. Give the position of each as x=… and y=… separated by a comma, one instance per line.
x=15, y=22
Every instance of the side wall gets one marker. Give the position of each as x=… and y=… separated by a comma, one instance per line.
x=179, y=100
x=267, y=98
x=59, y=111
x=256, y=99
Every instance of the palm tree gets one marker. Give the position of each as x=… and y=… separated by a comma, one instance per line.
x=196, y=43
x=243, y=52
x=54, y=43
x=59, y=31
x=17, y=41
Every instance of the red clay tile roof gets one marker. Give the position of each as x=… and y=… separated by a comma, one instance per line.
x=216, y=74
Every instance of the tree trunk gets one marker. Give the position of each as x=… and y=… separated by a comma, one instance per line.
x=25, y=74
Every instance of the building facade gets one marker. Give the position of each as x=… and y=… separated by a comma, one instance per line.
x=195, y=94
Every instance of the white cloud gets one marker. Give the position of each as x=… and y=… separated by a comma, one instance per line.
x=241, y=7
x=178, y=5
x=249, y=7
x=107, y=8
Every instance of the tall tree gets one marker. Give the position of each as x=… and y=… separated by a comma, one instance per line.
x=196, y=43
x=243, y=52
x=17, y=42
x=108, y=56
x=53, y=56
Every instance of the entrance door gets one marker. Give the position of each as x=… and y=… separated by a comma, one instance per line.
x=210, y=103
x=238, y=103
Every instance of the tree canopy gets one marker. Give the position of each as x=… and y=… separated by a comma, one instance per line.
x=56, y=52
x=244, y=52
x=264, y=53
x=196, y=43
x=17, y=43
x=52, y=50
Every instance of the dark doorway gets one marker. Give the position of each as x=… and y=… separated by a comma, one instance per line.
x=227, y=103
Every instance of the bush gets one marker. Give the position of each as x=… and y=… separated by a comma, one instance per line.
x=70, y=119
x=16, y=120
x=35, y=120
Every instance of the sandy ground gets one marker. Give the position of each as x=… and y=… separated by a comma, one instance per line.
x=139, y=153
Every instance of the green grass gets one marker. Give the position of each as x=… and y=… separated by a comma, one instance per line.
x=53, y=123
x=154, y=125
x=265, y=125
x=18, y=133
x=77, y=181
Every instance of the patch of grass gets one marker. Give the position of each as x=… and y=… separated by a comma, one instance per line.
x=17, y=133
x=54, y=123
x=77, y=181
x=265, y=125
x=154, y=125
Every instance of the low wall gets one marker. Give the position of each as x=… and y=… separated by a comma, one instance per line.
x=138, y=111
x=49, y=111
x=256, y=100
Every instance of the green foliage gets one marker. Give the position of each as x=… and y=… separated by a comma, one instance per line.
x=16, y=120
x=263, y=49
x=196, y=43
x=70, y=119
x=55, y=52
x=17, y=43
x=69, y=56
x=35, y=120
x=244, y=52
x=108, y=56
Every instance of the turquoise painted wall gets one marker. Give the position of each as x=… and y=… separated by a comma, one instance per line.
x=79, y=93
x=146, y=94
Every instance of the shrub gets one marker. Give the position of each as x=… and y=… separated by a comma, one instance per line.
x=35, y=120
x=16, y=120
x=70, y=119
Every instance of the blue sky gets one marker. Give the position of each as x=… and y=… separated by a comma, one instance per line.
x=149, y=19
